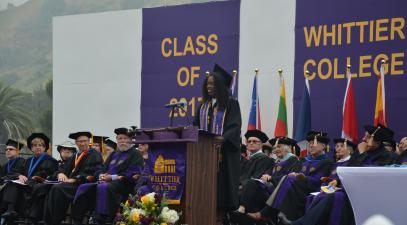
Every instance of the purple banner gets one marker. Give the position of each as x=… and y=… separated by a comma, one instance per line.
x=181, y=43
x=331, y=34
x=168, y=170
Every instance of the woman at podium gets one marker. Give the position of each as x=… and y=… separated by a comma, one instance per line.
x=219, y=114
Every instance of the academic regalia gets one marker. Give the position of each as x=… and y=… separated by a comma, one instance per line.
x=290, y=194
x=255, y=193
x=10, y=171
x=313, y=199
x=106, y=197
x=340, y=208
x=379, y=156
x=376, y=157
x=256, y=166
x=228, y=124
x=336, y=206
x=282, y=168
x=401, y=159
x=61, y=195
x=332, y=209
x=22, y=195
x=141, y=186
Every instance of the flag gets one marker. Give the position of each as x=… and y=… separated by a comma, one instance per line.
x=254, y=116
x=281, y=124
x=380, y=113
x=350, y=123
x=304, y=120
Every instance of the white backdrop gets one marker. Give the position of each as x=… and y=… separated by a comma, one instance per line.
x=267, y=43
x=97, y=66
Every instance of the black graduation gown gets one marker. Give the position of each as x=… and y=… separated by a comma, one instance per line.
x=291, y=192
x=255, y=194
x=107, y=196
x=229, y=167
x=22, y=195
x=335, y=207
x=10, y=171
x=61, y=195
x=375, y=157
x=257, y=165
x=401, y=159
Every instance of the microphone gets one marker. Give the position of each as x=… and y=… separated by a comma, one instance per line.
x=176, y=105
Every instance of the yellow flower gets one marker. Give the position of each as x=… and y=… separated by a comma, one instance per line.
x=145, y=199
x=135, y=217
x=160, y=224
x=122, y=224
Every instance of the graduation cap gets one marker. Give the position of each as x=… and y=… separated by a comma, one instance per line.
x=319, y=136
x=223, y=75
x=258, y=134
x=283, y=140
x=122, y=130
x=111, y=143
x=380, y=133
x=15, y=144
x=345, y=141
x=67, y=145
x=79, y=134
x=99, y=139
x=40, y=136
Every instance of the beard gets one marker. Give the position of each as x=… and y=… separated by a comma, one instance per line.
x=123, y=147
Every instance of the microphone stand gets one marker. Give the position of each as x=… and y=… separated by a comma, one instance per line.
x=183, y=110
x=172, y=115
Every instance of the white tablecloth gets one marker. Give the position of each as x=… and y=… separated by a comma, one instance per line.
x=376, y=191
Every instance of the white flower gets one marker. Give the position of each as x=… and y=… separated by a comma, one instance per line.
x=151, y=196
x=139, y=211
x=169, y=215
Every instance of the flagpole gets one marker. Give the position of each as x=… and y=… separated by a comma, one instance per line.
x=280, y=73
x=307, y=74
x=383, y=62
x=233, y=85
x=258, y=113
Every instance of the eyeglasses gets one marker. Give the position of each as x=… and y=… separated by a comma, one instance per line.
x=252, y=142
x=9, y=149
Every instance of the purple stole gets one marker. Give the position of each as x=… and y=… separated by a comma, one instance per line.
x=216, y=126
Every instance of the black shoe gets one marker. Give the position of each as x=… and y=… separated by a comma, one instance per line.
x=282, y=219
x=234, y=216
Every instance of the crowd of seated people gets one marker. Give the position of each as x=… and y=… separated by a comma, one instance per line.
x=307, y=190
x=275, y=187
x=41, y=189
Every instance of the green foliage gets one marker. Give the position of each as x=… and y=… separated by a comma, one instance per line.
x=14, y=121
x=26, y=58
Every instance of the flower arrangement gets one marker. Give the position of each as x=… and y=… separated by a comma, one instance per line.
x=150, y=209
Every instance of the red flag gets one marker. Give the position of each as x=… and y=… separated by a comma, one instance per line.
x=350, y=123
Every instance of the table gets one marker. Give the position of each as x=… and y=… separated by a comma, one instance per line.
x=376, y=191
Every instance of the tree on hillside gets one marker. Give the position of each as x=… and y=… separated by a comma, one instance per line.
x=46, y=116
x=14, y=121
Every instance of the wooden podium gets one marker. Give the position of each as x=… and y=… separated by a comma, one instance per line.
x=199, y=199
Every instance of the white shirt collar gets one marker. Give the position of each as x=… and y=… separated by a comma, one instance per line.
x=259, y=151
x=345, y=159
